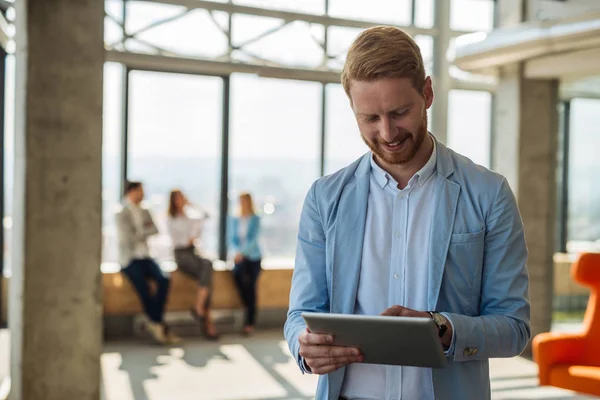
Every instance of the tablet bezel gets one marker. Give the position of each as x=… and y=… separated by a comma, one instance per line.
x=387, y=340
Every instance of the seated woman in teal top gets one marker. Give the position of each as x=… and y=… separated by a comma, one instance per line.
x=244, y=231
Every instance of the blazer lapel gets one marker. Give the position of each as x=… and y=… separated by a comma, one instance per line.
x=447, y=193
x=349, y=234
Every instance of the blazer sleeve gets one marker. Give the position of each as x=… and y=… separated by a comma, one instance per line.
x=502, y=328
x=234, y=239
x=150, y=227
x=309, y=281
x=126, y=228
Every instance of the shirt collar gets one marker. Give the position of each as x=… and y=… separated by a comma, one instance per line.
x=131, y=204
x=424, y=173
x=382, y=177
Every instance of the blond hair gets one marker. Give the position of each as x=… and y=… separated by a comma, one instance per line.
x=248, y=197
x=384, y=52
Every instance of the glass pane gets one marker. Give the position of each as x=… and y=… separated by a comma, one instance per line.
x=472, y=15
x=114, y=8
x=136, y=46
x=140, y=14
x=111, y=158
x=113, y=32
x=584, y=169
x=469, y=124
x=425, y=43
x=294, y=44
x=304, y=6
x=8, y=147
x=338, y=41
x=175, y=142
x=343, y=143
x=391, y=11
x=188, y=35
x=424, y=13
x=275, y=141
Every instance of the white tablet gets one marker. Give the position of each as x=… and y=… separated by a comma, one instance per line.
x=387, y=340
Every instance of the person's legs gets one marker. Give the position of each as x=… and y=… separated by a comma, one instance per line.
x=240, y=276
x=205, y=277
x=160, y=298
x=253, y=274
x=201, y=300
x=136, y=272
x=199, y=269
x=162, y=287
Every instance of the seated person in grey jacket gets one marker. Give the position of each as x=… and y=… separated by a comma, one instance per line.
x=134, y=226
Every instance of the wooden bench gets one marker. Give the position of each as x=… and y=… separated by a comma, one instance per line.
x=273, y=292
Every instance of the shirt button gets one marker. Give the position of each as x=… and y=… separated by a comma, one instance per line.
x=396, y=276
x=398, y=235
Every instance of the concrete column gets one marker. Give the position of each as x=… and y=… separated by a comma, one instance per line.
x=55, y=299
x=441, y=75
x=524, y=148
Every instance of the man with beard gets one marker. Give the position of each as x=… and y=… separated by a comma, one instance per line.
x=410, y=229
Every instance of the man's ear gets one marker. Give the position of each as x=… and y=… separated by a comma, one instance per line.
x=428, y=92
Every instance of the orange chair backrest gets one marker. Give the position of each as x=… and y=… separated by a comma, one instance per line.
x=586, y=270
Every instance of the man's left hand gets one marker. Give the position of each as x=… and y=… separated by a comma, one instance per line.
x=399, y=311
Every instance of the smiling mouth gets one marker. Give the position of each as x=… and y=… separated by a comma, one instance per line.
x=396, y=144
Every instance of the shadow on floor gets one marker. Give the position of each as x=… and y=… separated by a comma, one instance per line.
x=269, y=356
x=139, y=359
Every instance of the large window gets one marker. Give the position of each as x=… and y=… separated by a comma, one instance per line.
x=175, y=142
x=274, y=153
x=278, y=130
x=469, y=124
x=584, y=170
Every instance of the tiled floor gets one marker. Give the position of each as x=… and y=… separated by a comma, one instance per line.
x=258, y=368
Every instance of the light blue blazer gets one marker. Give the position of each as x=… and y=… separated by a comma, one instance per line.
x=477, y=267
x=250, y=249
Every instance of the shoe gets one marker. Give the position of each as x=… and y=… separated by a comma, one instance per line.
x=157, y=332
x=200, y=318
x=203, y=321
x=248, y=330
x=171, y=338
x=209, y=336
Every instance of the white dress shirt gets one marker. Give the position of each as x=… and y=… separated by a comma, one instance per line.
x=183, y=229
x=394, y=271
x=141, y=247
x=243, y=230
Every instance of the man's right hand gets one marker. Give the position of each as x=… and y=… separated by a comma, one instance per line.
x=321, y=357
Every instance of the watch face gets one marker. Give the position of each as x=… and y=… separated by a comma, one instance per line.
x=439, y=319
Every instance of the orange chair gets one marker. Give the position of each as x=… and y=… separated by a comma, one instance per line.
x=572, y=360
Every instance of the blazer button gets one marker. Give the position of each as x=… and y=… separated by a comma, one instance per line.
x=468, y=352
x=474, y=351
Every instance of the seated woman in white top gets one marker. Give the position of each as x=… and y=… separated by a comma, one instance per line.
x=184, y=230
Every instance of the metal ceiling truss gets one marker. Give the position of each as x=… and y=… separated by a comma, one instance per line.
x=227, y=63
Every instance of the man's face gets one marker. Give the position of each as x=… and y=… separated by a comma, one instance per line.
x=391, y=116
x=138, y=195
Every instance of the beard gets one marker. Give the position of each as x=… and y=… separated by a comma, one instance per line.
x=411, y=146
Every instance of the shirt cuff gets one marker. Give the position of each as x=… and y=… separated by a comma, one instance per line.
x=450, y=351
x=305, y=368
